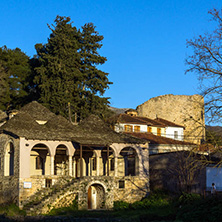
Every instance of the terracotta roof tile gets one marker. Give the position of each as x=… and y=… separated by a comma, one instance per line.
x=153, y=139
x=168, y=123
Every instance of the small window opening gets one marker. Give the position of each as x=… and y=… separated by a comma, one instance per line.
x=149, y=129
x=175, y=134
x=48, y=183
x=128, y=128
x=136, y=129
x=121, y=184
x=158, y=131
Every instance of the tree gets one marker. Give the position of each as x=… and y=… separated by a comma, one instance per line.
x=206, y=61
x=15, y=75
x=68, y=71
x=4, y=89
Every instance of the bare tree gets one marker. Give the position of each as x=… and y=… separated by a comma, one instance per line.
x=206, y=61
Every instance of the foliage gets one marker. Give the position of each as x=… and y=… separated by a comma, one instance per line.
x=4, y=89
x=67, y=72
x=188, y=198
x=201, y=210
x=206, y=61
x=65, y=210
x=213, y=138
x=158, y=206
x=154, y=200
x=120, y=205
x=11, y=210
x=15, y=73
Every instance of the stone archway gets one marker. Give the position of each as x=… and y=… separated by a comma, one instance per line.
x=96, y=197
x=9, y=160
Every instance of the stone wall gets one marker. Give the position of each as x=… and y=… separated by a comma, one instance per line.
x=9, y=188
x=65, y=190
x=184, y=110
x=176, y=172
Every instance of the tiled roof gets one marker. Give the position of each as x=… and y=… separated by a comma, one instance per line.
x=153, y=139
x=124, y=118
x=91, y=131
x=168, y=123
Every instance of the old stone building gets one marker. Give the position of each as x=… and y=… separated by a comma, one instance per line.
x=184, y=110
x=48, y=162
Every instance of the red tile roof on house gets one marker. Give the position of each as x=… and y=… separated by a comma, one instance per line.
x=168, y=123
x=153, y=139
x=124, y=118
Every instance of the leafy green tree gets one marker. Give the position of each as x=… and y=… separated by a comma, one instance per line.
x=68, y=72
x=15, y=73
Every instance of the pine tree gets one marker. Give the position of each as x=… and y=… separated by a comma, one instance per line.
x=95, y=81
x=67, y=73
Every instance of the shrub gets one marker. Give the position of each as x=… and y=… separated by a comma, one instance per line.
x=120, y=205
x=188, y=198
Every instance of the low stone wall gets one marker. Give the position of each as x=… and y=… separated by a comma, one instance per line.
x=65, y=190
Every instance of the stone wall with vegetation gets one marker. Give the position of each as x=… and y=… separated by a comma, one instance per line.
x=184, y=110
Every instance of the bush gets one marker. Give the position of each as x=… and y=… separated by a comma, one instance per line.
x=121, y=205
x=188, y=198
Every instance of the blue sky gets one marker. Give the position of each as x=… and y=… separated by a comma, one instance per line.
x=144, y=41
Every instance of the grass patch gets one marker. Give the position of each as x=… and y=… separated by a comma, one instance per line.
x=11, y=210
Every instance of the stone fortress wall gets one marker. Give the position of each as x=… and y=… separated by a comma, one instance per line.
x=184, y=110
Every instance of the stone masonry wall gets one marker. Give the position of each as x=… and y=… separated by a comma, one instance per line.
x=9, y=188
x=184, y=110
x=63, y=193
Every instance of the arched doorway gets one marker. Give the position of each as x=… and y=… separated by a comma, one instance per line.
x=9, y=160
x=96, y=197
x=129, y=159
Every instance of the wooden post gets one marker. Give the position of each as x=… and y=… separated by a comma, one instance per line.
x=81, y=173
x=107, y=160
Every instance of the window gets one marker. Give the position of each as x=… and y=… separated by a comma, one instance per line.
x=158, y=131
x=137, y=129
x=175, y=134
x=121, y=184
x=128, y=128
x=94, y=164
x=38, y=163
x=112, y=164
x=48, y=182
x=149, y=129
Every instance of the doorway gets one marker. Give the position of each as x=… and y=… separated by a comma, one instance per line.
x=96, y=197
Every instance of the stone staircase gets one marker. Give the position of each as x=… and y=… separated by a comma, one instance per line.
x=59, y=195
